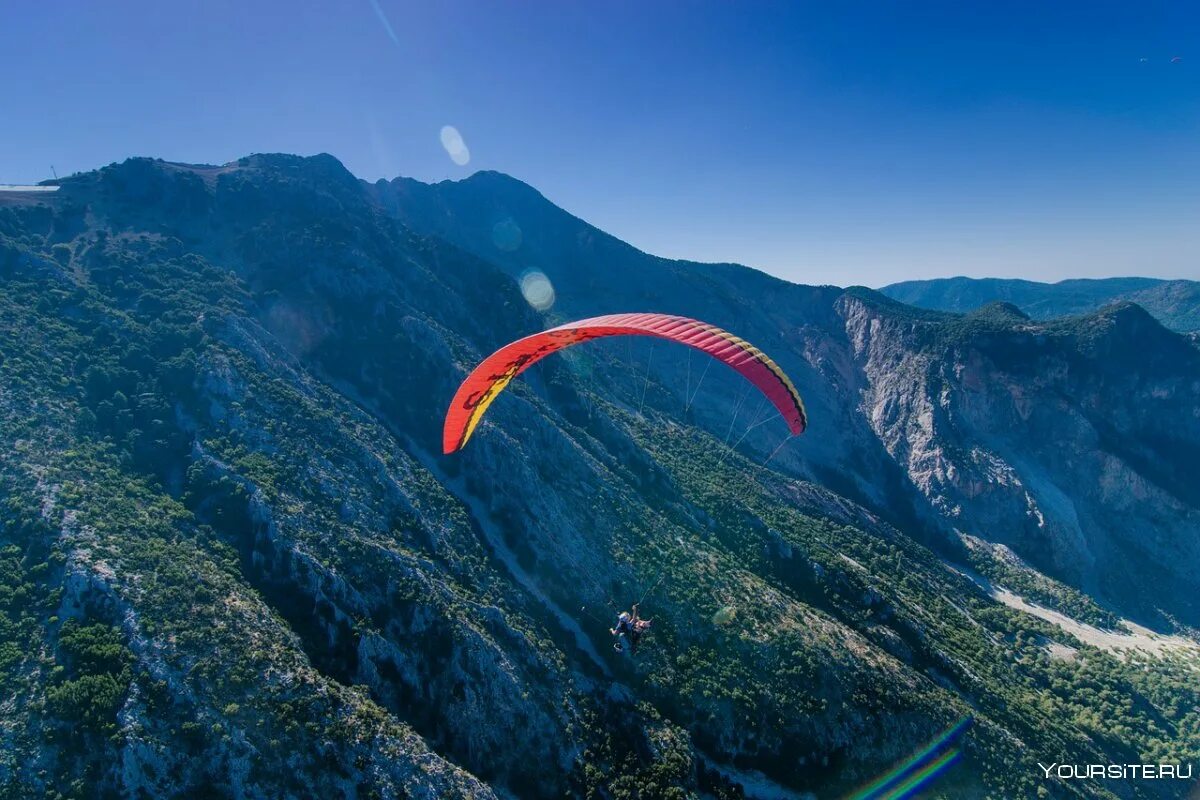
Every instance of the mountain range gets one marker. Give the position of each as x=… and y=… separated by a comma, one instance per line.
x=1175, y=303
x=234, y=562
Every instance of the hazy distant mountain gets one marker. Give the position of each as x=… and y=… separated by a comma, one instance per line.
x=233, y=561
x=1175, y=303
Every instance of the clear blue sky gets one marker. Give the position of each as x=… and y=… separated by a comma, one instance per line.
x=823, y=142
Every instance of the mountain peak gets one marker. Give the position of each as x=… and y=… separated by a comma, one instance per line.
x=1001, y=309
x=321, y=166
x=495, y=178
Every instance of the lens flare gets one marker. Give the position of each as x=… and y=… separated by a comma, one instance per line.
x=506, y=235
x=921, y=769
x=456, y=148
x=537, y=289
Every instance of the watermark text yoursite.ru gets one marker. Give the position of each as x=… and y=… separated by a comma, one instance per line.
x=1117, y=771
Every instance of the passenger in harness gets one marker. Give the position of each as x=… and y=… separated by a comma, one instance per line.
x=630, y=627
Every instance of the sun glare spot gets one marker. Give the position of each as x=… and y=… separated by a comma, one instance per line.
x=506, y=235
x=452, y=140
x=537, y=289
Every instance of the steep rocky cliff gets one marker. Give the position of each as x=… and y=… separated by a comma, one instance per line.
x=1067, y=441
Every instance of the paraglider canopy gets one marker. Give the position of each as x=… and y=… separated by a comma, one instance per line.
x=496, y=371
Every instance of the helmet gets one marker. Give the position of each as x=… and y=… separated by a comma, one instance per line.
x=624, y=616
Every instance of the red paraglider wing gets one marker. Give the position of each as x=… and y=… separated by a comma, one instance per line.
x=489, y=379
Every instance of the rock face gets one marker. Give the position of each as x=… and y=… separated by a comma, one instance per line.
x=1052, y=439
x=234, y=562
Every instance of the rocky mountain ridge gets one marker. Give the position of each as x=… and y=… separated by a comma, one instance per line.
x=234, y=563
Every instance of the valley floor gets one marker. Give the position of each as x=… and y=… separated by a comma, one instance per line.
x=1139, y=637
